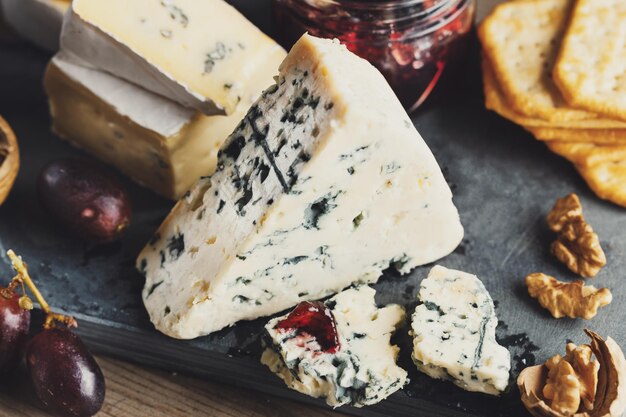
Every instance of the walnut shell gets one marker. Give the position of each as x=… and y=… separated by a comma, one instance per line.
x=610, y=400
x=9, y=159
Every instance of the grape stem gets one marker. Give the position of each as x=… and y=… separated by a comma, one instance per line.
x=23, y=277
x=10, y=289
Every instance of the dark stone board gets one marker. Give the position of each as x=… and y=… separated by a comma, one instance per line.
x=504, y=184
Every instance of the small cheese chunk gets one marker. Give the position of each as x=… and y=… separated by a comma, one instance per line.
x=362, y=371
x=325, y=183
x=455, y=333
x=37, y=21
x=201, y=54
x=157, y=142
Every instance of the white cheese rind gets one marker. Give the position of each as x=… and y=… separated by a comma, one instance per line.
x=155, y=141
x=362, y=372
x=325, y=183
x=38, y=21
x=147, y=109
x=199, y=54
x=454, y=333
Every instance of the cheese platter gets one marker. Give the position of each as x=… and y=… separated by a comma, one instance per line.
x=503, y=184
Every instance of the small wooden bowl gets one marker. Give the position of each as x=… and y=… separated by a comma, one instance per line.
x=9, y=159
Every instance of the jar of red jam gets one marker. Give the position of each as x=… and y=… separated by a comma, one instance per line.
x=410, y=41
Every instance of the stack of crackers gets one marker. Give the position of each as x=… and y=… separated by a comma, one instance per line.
x=558, y=68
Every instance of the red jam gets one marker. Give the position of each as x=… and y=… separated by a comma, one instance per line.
x=316, y=320
x=409, y=41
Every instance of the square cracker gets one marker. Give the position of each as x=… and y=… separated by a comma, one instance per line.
x=495, y=100
x=591, y=67
x=602, y=167
x=521, y=39
x=597, y=136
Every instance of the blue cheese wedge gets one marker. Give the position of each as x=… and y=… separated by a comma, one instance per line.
x=361, y=372
x=200, y=54
x=454, y=333
x=38, y=21
x=155, y=141
x=325, y=183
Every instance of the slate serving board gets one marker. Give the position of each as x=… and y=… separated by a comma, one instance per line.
x=504, y=184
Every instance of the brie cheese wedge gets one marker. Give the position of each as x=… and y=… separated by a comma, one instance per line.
x=155, y=141
x=201, y=54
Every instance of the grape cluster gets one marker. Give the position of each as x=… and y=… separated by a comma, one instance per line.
x=64, y=374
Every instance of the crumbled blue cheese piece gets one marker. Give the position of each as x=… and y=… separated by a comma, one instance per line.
x=362, y=372
x=325, y=183
x=455, y=333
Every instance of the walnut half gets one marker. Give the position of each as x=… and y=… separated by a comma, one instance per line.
x=574, y=300
x=572, y=380
x=9, y=159
x=576, y=386
x=577, y=246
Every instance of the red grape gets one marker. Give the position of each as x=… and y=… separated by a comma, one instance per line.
x=14, y=325
x=66, y=377
x=86, y=199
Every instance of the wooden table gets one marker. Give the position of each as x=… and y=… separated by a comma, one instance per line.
x=133, y=391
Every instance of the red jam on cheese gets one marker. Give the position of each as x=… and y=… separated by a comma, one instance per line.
x=315, y=319
x=410, y=41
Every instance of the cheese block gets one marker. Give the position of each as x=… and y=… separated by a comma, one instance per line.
x=360, y=369
x=201, y=54
x=454, y=333
x=37, y=21
x=155, y=141
x=325, y=183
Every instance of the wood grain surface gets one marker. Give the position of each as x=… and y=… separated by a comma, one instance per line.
x=137, y=392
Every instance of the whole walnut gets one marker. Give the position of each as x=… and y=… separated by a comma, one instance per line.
x=575, y=385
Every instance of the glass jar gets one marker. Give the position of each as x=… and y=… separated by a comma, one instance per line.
x=409, y=41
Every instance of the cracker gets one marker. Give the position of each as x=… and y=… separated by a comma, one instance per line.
x=495, y=101
x=602, y=167
x=597, y=136
x=573, y=152
x=521, y=40
x=591, y=67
